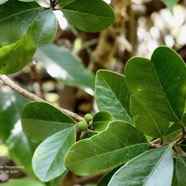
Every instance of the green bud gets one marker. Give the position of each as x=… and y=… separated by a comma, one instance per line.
x=88, y=117
x=82, y=126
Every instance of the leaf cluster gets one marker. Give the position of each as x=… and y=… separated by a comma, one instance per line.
x=140, y=135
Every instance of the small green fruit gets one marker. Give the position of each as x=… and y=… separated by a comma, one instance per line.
x=82, y=125
x=88, y=117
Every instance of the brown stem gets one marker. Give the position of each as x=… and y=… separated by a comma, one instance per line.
x=33, y=97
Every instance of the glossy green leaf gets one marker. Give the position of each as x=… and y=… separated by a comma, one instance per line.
x=21, y=182
x=15, y=56
x=173, y=132
x=119, y=140
x=159, y=83
x=170, y=3
x=41, y=120
x=101, y=120
x=15, y=19
x=61, y=64
x=21, y=149
x=11, y=104
x=49, y=157
x=89, y=16
x=112, y=94
x=44, y=28
x=147, y=122
x=180, y=170
x=154, y=167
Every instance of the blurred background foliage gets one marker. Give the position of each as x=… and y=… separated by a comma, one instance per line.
x=63, y=72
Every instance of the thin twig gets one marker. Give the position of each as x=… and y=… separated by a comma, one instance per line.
x=7, y=81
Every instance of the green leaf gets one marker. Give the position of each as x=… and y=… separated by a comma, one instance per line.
x=64, y=2
x=11, y=104
x=44, y=28
x=159, y=83
x=112, y=94
x=21, y=149
x=173, y=131
x=25, y=182
x=114, y=146
x=180, y=170
x=61, y=64
x=15, y=56
x=170, y=4
x=106, y=178
x=49, y=157
x=89, y=16
x=15, y=20
x=147, y=122
x=154, y=167
x=101, y=120
x=89, y=134
x=41, y=120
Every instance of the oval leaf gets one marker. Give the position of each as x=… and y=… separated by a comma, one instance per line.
x=15, y=56
x=147, y=122
x=159, y=83
x=49, y=157
x=154, y=167
x=112, y=94
x=15, y=20
x=41, y=120
x=89, y=16
x=44, y=28
x=119, y=140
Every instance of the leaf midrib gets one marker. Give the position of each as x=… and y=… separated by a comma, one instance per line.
x=117, y=99
x=12, y=15
x=44, y=176
x=162, y=89
x=157, y=164
x=87, y=14
x=103, y=154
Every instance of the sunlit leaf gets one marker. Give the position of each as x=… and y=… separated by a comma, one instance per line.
x=15, y=56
